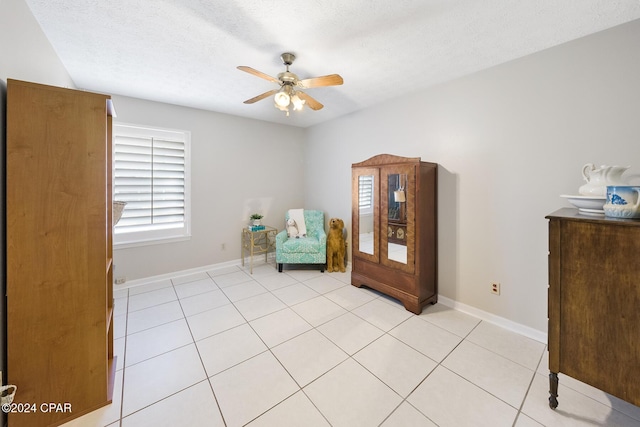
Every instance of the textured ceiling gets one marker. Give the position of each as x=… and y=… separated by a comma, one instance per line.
x=185, y=52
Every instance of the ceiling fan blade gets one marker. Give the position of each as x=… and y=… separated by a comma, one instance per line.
x=311, y=102
x=258, y=73
x=259, y=97
x=330, y=80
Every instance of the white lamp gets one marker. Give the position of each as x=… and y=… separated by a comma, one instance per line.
x=282, y=98
x=287, y=96
x=297, y=102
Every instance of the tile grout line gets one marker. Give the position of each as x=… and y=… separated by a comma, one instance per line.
x=526, y=394
x=197, y=350
x=124, y=359
x=349, y=356
x=268, y=349
x=312, y=328
x=124, y=367
x=206, y=374
x=120, y=420
x=436, y=367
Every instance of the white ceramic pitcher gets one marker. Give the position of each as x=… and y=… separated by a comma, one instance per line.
x=599, y=178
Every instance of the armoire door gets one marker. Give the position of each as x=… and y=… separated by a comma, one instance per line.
x=397, y=217
x=366, y=213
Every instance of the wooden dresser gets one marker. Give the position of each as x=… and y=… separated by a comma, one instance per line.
x=594, y=303
x=59, y=253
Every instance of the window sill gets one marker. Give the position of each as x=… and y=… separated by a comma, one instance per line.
x=160, y=241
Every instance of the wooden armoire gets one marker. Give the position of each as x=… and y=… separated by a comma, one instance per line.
x=394, y=228
x=59, y=252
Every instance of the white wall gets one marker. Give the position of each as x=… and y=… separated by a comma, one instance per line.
x=239, y=166
x=509, y=141
x=25, y=52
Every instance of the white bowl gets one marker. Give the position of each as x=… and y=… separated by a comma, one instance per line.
x=588, y=204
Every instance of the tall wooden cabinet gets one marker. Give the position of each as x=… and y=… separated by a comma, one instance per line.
x=394, y=228
x=59, y=252
x=594, y=303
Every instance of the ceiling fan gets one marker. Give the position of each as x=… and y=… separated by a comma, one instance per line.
x=289, y=92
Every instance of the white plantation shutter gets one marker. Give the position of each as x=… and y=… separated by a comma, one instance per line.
x=151, y=176
x=365, y=194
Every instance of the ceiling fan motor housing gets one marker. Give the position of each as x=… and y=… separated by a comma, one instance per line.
x=287, y=77
x=288, y=58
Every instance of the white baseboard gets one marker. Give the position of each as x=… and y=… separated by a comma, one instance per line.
x=203, y=269
x=518, y=328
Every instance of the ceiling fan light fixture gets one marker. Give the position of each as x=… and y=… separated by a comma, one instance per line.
x=297, y=102
x=282, y=98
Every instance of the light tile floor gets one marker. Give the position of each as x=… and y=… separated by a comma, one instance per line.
x=302, y=348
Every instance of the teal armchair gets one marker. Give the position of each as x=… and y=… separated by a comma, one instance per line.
x=311, y=249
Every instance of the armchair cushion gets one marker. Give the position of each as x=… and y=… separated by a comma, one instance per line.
x=307, y=245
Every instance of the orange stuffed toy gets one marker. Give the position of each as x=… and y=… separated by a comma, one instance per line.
x=335, y=246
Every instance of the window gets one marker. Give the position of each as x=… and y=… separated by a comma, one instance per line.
x=151, y=174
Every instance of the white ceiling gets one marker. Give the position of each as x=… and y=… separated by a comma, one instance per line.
x=185, y=52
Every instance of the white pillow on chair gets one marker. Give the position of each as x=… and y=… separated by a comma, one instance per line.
x=298, y=216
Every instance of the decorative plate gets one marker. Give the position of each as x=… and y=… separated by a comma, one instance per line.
x=587, y=204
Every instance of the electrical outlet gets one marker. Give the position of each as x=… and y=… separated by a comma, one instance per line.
x=120, y=280
x=495, y=288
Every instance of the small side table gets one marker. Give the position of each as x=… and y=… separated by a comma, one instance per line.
x=257, y=242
